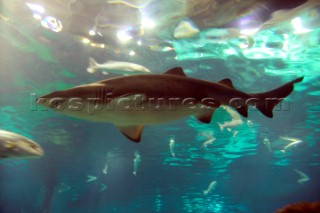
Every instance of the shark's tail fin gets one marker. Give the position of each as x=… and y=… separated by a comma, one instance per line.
x=268, y=100
x=92, y=65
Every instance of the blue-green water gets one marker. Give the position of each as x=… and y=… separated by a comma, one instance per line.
x=88, y=167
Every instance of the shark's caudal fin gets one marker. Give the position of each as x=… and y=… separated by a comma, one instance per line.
x=268, y=100
x=92, y=65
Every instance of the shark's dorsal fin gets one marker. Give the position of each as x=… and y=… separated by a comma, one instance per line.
x=227, y=82
x=132, y=132
x=175, y=71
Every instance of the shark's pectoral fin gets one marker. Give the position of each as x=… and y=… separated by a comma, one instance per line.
x=227, y=82
x=205, y=116
x=175, y=71
x=206, y=109
x=132, y=132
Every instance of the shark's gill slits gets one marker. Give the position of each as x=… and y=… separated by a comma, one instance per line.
x=96, y=97
x=104, y=95
x=100, y=96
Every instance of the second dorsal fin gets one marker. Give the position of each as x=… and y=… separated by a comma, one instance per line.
x=227, y=82
x=175, y=71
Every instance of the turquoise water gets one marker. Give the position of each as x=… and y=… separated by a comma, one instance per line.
x=88, y=167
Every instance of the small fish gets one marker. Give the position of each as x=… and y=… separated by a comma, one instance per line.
x=105, y=169
x=13, y=145
x=208, y=142
x=171, y=145
x=63, y=187
x=236, y=120
x=136, y=162
x=249, y=123
x=304, y=178
x=266, y=142
x=230, y=124
x=210, y=139
x=294, y=143
x=235, y=133
x=290, y=139
x=91, y=178
x=118, y=67
x=211, y=186
x=103, y=187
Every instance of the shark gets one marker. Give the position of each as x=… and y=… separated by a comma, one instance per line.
x=13, y=145
x=132, y=102
x=118, y=67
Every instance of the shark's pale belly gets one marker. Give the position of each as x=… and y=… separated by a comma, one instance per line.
x=138, y=116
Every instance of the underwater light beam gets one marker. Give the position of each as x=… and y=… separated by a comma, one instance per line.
x=123, y=36
x=148, y=23
x=92, y=32
x=132, y=53
x=35, y=7
x=52, y=23
x=297, y=25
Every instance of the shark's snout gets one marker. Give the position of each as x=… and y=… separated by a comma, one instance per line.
x=38, y=100
x=37, y=151
x=50, y=100
x=42, y=100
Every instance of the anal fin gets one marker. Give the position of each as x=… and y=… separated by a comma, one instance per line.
x=132, y=132
x=205, y=116
x=243, y=110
